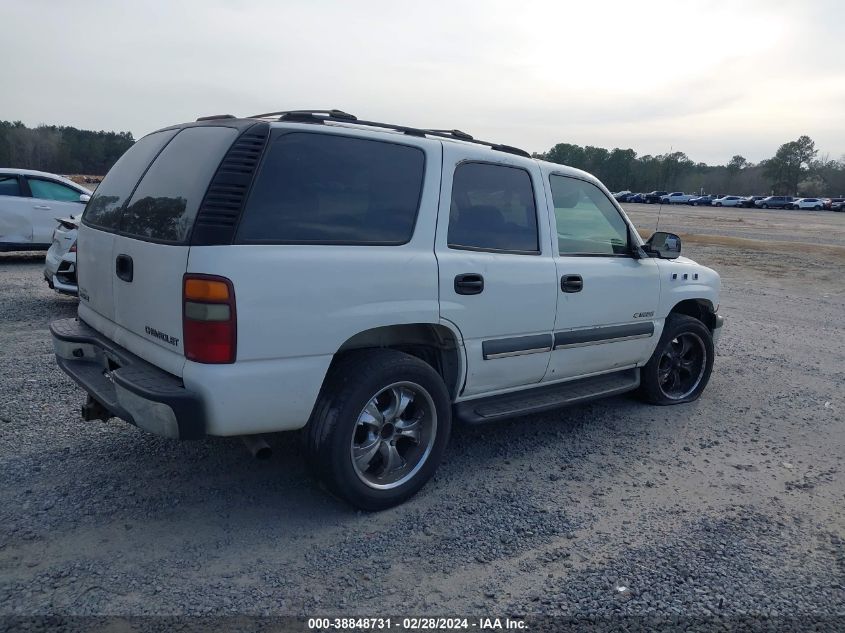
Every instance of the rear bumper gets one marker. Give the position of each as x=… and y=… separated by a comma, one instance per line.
x=125, y=385
x=60, y=273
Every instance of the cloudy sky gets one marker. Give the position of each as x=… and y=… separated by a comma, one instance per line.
x=711, y=78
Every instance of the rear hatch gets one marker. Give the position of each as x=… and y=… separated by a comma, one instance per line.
x=134, y=240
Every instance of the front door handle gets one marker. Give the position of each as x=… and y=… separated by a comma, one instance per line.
x=469, y=284
x=42, y=207
x=571, y=283
x=124, y=268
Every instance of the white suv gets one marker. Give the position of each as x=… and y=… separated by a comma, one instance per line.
x=808, y=203
x=369, y=283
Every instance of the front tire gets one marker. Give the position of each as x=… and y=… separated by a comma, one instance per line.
x=380, y=428
x=680, y=367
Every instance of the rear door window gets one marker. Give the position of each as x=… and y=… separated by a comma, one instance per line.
x=332, y=189
x=9, y=185
x=104, y=208
x=493, y=209
x=166, y=200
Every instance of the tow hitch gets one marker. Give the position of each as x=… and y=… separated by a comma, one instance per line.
x=93, y=410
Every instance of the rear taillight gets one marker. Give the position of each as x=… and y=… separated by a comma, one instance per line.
x=209, y=325
x=73, y=248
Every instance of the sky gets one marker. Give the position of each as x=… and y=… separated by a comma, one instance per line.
x=711, y=78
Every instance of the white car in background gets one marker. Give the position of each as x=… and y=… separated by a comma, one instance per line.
x=60, y=264
x=728, y=201
x=30, y=203
x=808, y=203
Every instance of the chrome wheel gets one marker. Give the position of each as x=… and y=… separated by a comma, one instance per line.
x=394, y=435
x=681, y=366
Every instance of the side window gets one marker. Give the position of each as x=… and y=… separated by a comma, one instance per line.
x=587, y=222
x=9, y=185
x=166, y=201
x=493, y=209
x=331, y=189
x=50, y=190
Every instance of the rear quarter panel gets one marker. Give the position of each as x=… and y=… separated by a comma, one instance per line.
x=296, y=306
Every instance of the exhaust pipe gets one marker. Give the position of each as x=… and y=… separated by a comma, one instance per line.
x=257, y=446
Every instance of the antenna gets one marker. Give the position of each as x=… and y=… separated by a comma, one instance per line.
x=660, y=208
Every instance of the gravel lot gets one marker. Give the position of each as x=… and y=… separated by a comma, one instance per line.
x=730, y=506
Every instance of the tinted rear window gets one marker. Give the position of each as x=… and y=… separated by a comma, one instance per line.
x=166, y=201
x=328, y=189
x=9, y=185
x=104, y=208
x=493, y=209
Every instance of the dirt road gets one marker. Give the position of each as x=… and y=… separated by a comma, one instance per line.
x=732, y=505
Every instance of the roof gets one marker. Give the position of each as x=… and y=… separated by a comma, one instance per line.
x=339, y=118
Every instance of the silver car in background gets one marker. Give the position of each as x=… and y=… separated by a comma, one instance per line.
x=60, y=265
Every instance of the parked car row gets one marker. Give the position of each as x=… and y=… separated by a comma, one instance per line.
x=720, y=200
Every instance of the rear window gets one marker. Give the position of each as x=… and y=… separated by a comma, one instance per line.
x=166, y=201
x=104, y=208
x=330, y=189
x=493, y=209
x=9, y=185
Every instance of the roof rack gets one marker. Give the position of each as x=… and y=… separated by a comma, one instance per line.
x=306, y=115
x=339, y=116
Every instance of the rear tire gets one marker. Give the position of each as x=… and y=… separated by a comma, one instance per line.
x=380, y=427
x=680, y=367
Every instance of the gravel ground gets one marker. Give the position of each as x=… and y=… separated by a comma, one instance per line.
x=728, y=507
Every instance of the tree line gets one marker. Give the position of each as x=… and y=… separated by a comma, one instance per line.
x=60, y=149
x=796, y=169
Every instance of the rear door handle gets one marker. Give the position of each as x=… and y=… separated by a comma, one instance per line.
x=469, y=284
x=571, y=283
x=43, y=207
x=124, y=268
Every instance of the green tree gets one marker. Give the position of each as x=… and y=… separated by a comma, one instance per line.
x=64, y=150
x=790, y=165
x=566, y=154
x=736, y=164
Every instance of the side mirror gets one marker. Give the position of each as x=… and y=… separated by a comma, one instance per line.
x=663, y=245
x=84, y=198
